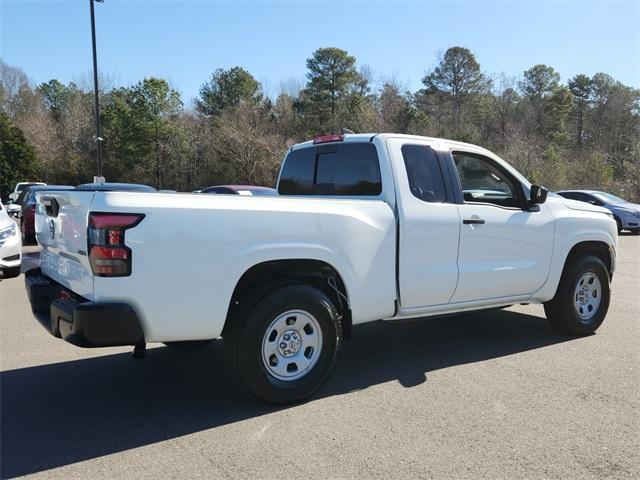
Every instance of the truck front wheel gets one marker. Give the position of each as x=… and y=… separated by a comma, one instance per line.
x=582, y=299
x=285, y=349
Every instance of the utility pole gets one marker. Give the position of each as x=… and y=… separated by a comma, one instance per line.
x=99, y=178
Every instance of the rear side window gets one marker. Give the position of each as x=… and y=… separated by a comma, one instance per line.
x=423, y=172
x=347, y=169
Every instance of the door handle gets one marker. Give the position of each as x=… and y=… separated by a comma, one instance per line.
x=473, y=221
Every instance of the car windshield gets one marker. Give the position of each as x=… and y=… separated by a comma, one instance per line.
x=608, y=198
x=21, y=197
x=22, y=186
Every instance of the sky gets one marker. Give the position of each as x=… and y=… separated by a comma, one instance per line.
x=185, y=41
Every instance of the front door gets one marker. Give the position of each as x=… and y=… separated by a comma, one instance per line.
x=505, y=249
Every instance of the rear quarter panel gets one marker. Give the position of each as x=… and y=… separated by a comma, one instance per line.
x=190, y=251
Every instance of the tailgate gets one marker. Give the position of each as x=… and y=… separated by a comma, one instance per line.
x=61, y=230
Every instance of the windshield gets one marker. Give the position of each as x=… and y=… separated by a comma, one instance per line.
x=21, y=197
x=22, y=186
x=608, y=198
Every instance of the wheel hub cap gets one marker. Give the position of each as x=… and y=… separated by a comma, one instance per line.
x=291, y=345
x=587, y=296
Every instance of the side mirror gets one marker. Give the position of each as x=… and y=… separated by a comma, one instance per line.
x=538, y=195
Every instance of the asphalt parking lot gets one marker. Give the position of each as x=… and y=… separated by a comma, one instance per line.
x=495, y=395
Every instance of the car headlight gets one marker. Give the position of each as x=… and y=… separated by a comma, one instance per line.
x=8, y=232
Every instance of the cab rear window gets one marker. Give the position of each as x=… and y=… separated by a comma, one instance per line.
x=345, y=169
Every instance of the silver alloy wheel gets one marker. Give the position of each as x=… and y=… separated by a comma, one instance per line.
x=587, y=296
x=291, y=345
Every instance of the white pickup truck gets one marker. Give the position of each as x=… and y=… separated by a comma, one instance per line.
x=365, y=227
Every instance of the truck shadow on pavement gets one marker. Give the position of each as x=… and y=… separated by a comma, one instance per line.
x=63, y=413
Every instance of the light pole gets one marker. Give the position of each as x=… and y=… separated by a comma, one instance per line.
x=99, y=178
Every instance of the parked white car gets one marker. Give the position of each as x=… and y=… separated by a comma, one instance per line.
x=10, y=245
x=365, y=227
x=20, y=186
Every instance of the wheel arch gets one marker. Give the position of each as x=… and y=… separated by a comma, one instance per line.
x=602, y=246
x=265, y=277
x=600, y=249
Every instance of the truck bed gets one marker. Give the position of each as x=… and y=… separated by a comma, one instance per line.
x=189, y=252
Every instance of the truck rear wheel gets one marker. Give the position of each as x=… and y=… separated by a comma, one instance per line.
x=582, y=299
x=285, y=349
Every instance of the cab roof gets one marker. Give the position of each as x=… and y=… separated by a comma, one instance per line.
x=368, y=137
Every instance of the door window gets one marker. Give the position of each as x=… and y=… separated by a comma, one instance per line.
x=423, y=172
x=592, y=200
x=483, y=181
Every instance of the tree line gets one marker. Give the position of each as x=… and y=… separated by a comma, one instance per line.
x=582, y=133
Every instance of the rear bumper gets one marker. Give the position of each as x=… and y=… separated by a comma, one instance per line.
x=79, y=321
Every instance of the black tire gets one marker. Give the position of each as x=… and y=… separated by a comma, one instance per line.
x=561, y=310
x=244, y=336
x=188, y=344
x=12, y=272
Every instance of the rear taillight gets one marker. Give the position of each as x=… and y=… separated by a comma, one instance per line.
x=108, y=255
